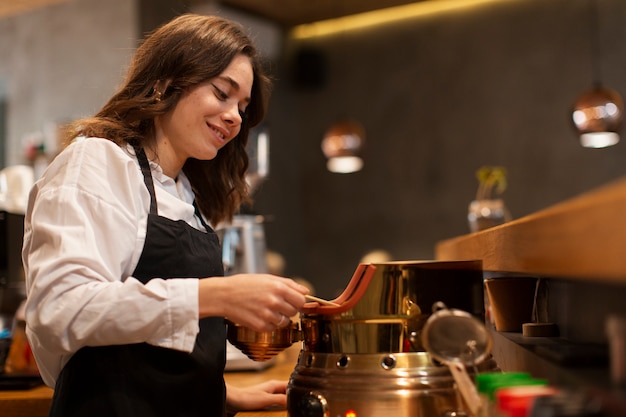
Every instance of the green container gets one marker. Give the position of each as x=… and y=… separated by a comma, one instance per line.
x=488, y=383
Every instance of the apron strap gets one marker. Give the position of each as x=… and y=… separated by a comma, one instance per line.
x=147, y=177
x=196, y=211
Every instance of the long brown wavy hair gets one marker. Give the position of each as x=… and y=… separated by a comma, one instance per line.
x=187, y=51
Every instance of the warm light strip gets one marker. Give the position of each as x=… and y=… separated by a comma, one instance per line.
x=361, y=20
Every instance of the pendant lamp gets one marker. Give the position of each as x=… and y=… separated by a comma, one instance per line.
x=598, y=117
x=342, y=145
x=597, y=113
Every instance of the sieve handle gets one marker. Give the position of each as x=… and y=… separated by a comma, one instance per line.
x=465, y=385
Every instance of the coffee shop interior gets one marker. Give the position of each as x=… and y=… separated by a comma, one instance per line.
x=438, y=94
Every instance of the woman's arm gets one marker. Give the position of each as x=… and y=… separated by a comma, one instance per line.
x=84, y=232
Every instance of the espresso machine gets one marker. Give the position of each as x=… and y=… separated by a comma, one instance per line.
x=12, y=284
x=243, y=245
x=19, y=369
x=15, y=184
x=243, y=239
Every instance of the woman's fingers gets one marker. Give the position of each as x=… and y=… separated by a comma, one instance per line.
x=261, y=302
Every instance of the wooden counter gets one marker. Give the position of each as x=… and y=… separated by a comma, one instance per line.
x=281, y=370
x=36, y=402
x=28, y=403
x=583, y=237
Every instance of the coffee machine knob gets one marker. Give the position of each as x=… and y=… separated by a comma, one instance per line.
x=312, y=404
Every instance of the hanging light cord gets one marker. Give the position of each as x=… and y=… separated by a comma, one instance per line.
x=594, y=43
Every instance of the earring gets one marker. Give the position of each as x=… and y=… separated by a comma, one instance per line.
x=157, y=95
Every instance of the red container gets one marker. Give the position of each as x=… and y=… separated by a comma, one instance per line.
x=517, y=401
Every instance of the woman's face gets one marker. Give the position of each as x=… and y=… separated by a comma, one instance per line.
x=205, y=118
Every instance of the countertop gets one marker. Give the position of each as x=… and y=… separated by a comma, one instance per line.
x=281, y=370
x=581, y=238
x=35, y=402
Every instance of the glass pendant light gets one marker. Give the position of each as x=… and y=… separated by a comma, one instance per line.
x=598, y=117
x=597, y=113
x=342, y=146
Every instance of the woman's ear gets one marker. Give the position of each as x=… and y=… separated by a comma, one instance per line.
x=160, y=87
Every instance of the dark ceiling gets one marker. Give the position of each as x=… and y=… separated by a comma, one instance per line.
x=285, y=12
x=294, y=12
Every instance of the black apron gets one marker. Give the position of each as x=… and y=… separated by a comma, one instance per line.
x=141, y=380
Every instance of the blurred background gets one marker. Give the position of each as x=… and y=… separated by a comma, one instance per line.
x=439, y=87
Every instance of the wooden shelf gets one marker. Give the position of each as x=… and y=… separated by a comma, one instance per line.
x=583, y=237
x=578, y=245
x=561, y=363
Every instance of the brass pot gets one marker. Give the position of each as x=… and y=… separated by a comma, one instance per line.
x=382, y=309
x=387, y=305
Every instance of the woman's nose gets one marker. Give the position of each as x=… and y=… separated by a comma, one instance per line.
x=231, y=115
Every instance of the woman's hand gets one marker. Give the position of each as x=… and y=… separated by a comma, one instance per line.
x=261, y=302
x=267, y=394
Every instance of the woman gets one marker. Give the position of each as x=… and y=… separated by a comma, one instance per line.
x=126, y=295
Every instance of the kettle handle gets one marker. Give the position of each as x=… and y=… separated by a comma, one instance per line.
x=350, y=296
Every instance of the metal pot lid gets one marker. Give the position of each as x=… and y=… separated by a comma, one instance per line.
x=456, y=336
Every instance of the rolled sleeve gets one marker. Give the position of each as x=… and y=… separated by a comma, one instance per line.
x=181, y=321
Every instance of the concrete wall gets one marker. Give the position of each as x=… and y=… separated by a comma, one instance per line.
x=439, y=96
x=61, y=62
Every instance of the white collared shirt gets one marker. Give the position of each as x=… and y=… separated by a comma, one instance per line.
x=84, y=232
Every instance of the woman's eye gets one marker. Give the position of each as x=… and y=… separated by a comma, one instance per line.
x=219, y=93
